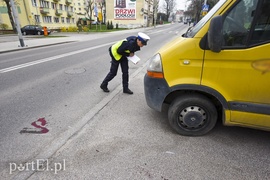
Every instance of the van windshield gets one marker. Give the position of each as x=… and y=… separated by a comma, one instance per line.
x=192, y=31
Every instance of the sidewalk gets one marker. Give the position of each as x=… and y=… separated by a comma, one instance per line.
x=10, y=43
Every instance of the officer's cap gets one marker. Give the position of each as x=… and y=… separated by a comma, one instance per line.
x=143, y=38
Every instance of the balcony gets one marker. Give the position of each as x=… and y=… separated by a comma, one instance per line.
x=68, y=2
x=58, y=12
x=44, y=10
x=56, y=0
x=69, y=13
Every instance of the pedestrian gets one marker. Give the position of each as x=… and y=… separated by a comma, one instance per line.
x=119, y=53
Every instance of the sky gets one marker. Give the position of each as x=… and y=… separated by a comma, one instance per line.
x=181, y=4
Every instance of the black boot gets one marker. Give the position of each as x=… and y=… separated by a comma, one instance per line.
x=104, y=88
x=127, y=91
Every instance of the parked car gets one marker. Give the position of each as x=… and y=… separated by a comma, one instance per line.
x=34, y=30
x=94, y=22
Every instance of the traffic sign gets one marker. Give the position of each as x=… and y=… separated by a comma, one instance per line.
x=205, y=7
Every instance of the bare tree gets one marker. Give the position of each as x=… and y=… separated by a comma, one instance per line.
x=169, y=7
x=102, y=4
x=195, y=8
x=155, y=10
x=89, y=10
x=156, y=5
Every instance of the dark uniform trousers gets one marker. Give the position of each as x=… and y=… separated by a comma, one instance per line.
x=114, y=68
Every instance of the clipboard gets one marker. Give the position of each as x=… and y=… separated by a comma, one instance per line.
x=135, y=59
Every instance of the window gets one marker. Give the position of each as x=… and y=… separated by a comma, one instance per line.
x=31, y=27
x=34, y=3
x=56, y=19
x=68, y=20
x=37, y=18
x=53, y=5
x=61, y=6
x=237, y=24
x=261, y=32
x=62, y=19
x=47, y=19
x=45, y=4
x=247, y=25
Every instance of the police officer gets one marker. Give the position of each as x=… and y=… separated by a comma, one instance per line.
x=119, y=53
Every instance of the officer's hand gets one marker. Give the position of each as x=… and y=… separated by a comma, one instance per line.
x=131, y=54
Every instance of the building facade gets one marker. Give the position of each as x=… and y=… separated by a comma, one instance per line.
x=54, y=14
x=130, y=13
x=58, y=14
x=179, y=15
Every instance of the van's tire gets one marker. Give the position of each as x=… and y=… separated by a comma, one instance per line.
x=192, y=115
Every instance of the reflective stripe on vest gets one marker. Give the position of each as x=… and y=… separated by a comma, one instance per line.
x=114, y=50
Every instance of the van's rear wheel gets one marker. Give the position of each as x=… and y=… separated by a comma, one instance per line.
x=192, y=115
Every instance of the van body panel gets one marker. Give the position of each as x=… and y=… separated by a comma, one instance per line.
x=238, y=75
x=185, y=61
x=241, y=75
x=246, y=119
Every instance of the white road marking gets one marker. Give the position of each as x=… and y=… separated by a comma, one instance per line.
x=13, y=68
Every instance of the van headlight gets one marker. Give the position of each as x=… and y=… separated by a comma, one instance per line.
x=154, y=68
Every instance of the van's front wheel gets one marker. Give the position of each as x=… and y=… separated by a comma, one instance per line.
x=192, y=115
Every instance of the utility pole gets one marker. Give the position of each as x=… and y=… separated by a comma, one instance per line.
x=1, y=21
x=17, y=23
x=155, y=13
x=148, y=13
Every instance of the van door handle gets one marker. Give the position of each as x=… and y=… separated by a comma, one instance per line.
x=186, y=62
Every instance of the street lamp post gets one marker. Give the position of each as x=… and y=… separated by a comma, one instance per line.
x=17, y=23
x=1, y=21
x=155, y=12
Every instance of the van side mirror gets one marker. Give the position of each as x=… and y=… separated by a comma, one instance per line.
x=215, y=34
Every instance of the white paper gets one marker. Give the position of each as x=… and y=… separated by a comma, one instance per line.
x=135, y=59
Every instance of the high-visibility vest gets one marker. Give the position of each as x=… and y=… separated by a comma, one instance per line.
x=114, y=50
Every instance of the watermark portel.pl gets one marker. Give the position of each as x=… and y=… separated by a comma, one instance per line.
x=38, y=165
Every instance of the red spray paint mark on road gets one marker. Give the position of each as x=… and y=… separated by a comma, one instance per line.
x=39, y=127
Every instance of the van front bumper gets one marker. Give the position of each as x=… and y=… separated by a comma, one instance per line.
x=155, y=91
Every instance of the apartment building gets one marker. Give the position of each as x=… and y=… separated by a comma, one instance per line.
x=56, y=14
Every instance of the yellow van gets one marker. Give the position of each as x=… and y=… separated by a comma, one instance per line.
x=218, y=70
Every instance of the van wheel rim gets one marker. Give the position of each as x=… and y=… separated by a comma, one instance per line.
x=192, y=117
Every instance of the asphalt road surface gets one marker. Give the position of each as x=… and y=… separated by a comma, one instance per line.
x=56, y=123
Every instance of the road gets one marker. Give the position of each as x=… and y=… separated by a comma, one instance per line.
x=96, y=135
